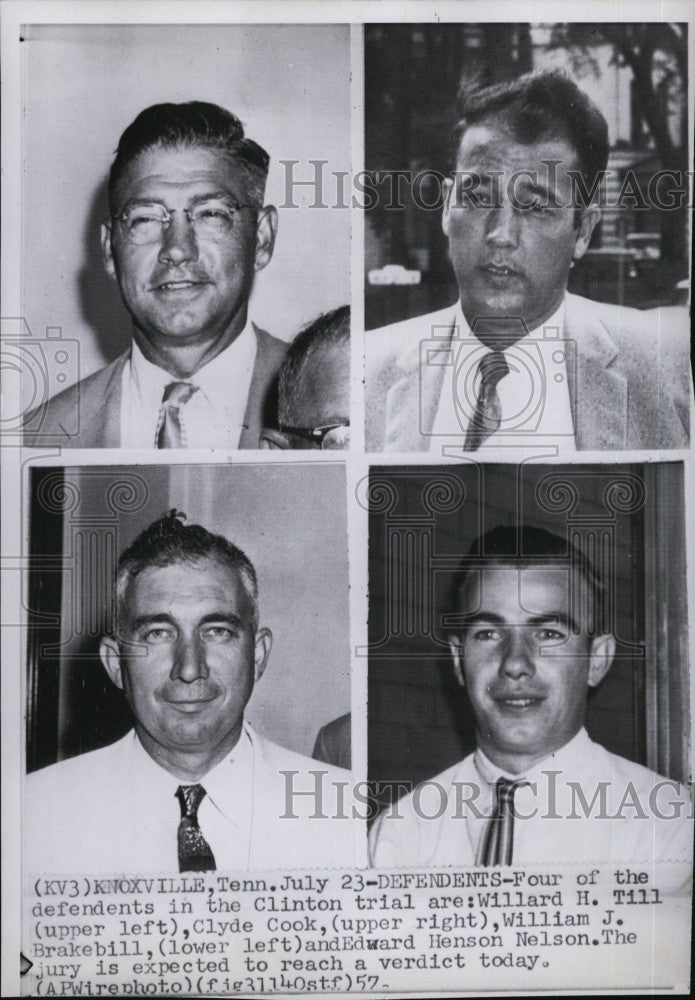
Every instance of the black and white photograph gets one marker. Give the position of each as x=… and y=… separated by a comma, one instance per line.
x=172, y=248
x=528, y=665
x=410, y=720
x=187, y=657
x=527, y=245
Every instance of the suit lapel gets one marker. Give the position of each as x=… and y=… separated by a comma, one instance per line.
x=269, y=354
x=412, y=401
x=598, y=393
x=107, y=419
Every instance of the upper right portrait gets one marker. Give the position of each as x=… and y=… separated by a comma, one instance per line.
x=527, y=244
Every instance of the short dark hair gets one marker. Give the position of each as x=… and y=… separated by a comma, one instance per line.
x=541, y=105
x=169, y=541
x=522, y=546
x=195, y=123
x=327, y=330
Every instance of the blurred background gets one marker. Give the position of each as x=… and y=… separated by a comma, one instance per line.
x=635, y=73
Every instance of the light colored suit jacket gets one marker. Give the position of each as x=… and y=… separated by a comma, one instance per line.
x=84, y=815
x=94, y=404
x=628, y=374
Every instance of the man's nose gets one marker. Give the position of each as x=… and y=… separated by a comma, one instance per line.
x=516, y=659
x=189, y=661
x=503, y=225
x=179, y=243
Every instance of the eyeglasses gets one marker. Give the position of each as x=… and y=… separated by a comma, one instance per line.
x=333, y=437
x=211, y=220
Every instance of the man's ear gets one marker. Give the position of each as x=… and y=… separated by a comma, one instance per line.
x=446, y=210
x=266, y=231
x=111, y=658
x=457, y=656
x=264, y=642
x=272, y=440
x=589, y=221
x=600, y=658
x=107, y=249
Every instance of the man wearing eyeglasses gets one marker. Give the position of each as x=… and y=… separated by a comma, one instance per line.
x=186, y=232
x=314, y=388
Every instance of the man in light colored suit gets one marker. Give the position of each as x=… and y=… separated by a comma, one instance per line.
x=192, y=786
x=186, y=232
x=517, y=361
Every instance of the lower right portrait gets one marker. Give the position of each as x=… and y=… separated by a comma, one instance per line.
x=529, y=694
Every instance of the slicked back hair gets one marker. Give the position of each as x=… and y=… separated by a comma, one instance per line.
x=168, y=542
x=332, y=328
x=196, y=123
x=546, y=104
x=525, y=546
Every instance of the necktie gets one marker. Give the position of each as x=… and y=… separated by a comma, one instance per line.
x=175, y=396
x=195, y=854
x=488, y=411
x=497, y=844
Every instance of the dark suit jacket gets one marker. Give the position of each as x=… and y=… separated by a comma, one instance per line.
x=333, y=742
x=628, y=376
x=93, y=406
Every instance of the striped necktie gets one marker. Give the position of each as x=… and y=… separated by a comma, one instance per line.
x=488, y=409
x=195, y=854
x=169, y=431
x=497, y=845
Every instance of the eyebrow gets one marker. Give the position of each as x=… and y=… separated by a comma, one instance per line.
x=197, y=199
x=164, y=619
x=491, y=618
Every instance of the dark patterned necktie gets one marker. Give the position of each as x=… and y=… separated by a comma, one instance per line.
x=497, y=845
x=488, y=410
x=195, y=854
x=175, y=396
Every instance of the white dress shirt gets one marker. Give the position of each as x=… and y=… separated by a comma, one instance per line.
x=534, y=395
x=644, y=817
x=214, y=415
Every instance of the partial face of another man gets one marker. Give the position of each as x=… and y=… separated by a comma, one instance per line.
x=187, y=660
x=323, y=396
x=187, y=289
x=527, y=661
x=511, y=247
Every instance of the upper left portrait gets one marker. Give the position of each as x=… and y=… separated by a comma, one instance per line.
x=179, y=231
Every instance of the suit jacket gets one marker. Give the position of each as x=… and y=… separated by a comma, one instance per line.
x=85, y=815
x=93, y=405
x=334, y=742
x=628, y=374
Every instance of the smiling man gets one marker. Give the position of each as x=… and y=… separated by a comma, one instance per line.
x=528, y=643
x=187, y=231
x=517, y=361
x=192, y=787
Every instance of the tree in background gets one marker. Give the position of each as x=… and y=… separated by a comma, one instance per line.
x=657, y=55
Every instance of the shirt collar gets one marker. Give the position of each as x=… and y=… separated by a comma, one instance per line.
x=213, y=379
x=566, y=759
x=228, y=785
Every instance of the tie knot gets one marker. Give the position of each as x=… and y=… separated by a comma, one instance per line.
x=493, y=367
x=178, y=393
x=190, y=797
x=504, y=791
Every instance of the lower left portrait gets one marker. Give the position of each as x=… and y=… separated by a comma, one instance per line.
x=188, y=670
